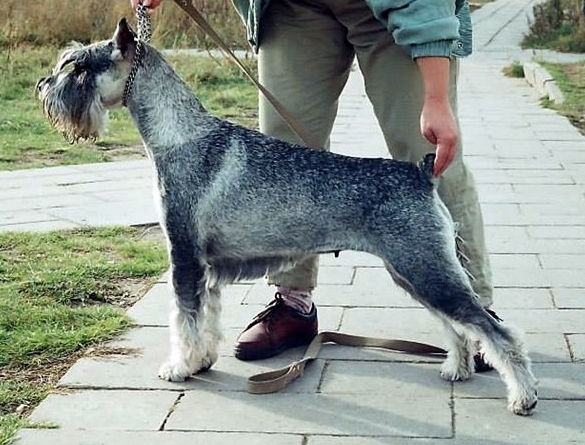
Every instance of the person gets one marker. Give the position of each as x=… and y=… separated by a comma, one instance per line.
x=407, y=51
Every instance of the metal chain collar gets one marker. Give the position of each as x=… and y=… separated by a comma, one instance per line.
x=144, y=36
x=144, y=24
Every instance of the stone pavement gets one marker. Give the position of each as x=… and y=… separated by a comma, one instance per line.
x=530, y=167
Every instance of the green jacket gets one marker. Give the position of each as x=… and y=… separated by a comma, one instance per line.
x=422, y=27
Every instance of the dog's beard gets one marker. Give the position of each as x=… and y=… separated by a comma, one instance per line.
x=85, y=121
x=72, y=103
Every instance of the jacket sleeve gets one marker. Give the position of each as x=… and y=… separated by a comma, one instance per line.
x=422, y=27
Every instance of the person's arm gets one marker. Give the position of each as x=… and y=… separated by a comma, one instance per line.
x=427, y=29
x=422, y=27
x=437, y=121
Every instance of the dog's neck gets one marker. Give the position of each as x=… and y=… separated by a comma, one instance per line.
x=165, y=110
x=136, y=61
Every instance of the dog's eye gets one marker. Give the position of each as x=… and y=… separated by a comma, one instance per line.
x=79, y=67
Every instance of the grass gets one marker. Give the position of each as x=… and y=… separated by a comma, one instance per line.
x=61, y=293
x=570, y=77
x=514, y=70
x=557, y=25
x=28, y=141
x=42, y=22
x=30, y=36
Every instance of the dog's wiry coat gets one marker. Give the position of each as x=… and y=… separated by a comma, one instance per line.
x=238, y=204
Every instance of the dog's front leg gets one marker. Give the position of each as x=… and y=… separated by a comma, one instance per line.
x=189, y=352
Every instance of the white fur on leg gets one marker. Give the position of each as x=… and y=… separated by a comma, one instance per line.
x=187, y=353
x=212, y=333
x=459, y=362
x=512, y=362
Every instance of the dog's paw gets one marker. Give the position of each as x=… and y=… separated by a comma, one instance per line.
x=523, y=405
x=453, y=370
x=211, y=354
x=454, y=376
x=174, y=372
x=207, y=362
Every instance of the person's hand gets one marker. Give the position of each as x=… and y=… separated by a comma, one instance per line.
x=438, y=126
x=150, y=4
x=437, y=121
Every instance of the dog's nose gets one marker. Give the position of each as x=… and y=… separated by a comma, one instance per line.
x=41, y=82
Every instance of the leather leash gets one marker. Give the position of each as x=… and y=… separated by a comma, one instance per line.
x=287, y=116
x=274, y=381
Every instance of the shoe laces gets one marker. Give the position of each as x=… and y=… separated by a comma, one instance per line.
x=269, y=313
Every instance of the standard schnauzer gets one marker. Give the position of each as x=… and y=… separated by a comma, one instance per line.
x=236, y=204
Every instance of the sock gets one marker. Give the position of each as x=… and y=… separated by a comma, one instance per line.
x=297, y=298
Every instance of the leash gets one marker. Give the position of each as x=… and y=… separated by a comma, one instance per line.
x=274, y=381
x=286, y=115
x=144, y=30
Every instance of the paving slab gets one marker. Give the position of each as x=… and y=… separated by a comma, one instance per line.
x=555, y=422
x=577, y=346
x=80, y=437
x=568, y=297
x=556, y=381
x=312, y=414
x=106, y=410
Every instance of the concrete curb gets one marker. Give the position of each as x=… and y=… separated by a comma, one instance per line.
x=537, y=76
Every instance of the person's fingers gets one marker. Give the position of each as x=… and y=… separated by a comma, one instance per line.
x=445, y=154
x=150, y=4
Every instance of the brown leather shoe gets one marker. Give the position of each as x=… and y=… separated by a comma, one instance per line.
x=274, y=330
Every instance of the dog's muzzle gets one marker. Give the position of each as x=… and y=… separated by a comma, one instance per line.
x=41, y=83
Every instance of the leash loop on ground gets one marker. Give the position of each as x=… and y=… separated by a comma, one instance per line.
x=278, y=379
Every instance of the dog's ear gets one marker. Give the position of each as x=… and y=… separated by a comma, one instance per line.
x=124, y=38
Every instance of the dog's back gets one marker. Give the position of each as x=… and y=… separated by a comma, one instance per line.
x=256, y=194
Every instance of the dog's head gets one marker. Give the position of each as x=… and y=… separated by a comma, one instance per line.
x=86, y=82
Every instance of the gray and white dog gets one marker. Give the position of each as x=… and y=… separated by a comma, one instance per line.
x=236, y=204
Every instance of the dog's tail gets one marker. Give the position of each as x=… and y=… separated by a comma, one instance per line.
x=426, y=166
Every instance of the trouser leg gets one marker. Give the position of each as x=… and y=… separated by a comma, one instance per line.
x=394, y=86
x=304, y=60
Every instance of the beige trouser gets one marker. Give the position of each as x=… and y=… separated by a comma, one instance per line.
x=306, y=51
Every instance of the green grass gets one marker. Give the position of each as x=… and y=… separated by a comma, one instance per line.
x=9, y=425
x=570, y=78
x=61, y=292
x=28, y=141
x=514, y=70
x=557, y=26
x=566, y=38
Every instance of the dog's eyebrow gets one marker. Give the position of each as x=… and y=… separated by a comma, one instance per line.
x=67, y=57
x=64, y=63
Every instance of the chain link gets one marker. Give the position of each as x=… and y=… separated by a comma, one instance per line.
x=144, y=24
x=144, y=35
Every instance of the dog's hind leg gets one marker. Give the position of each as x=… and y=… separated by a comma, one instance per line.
x=433, y=276
x=189, y=352
x=504, y=349
x=459, y=364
